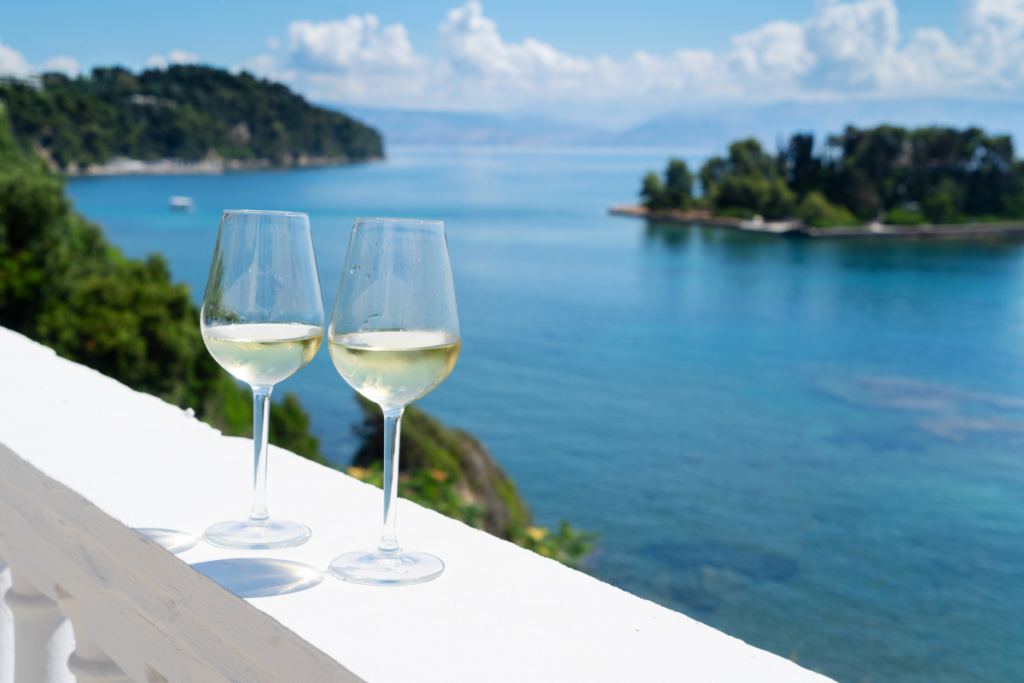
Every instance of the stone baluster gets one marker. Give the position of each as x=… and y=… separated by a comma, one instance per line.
x=42, y=636
x=89, y=663
x=6, y=627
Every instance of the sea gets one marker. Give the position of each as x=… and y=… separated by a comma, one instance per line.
x=816, y=446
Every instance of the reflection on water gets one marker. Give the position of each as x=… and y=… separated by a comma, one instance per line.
x=740, y=244
x=256, y=577
x=673, y=235
x=174, y=541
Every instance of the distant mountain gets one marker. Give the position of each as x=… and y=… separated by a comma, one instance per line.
x=184, y=112
x=709, y=128
x=717, y=127
x=401, y=127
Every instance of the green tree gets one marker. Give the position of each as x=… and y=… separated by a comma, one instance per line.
x=678, y=184
x=860, y=175
x=64, y=285
x=959, y=173
x=801, y=168
x=747, y=182
x=943, y=204
x=676, y=192
x=934, y=173
x=652, y=192
x=186, y=112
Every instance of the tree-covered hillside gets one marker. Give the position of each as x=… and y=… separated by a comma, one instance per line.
x=184, y=112
x=937, y=175
x=64, y=285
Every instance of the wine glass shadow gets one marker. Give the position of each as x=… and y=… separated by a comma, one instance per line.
x=169, y=539
x=257, y=577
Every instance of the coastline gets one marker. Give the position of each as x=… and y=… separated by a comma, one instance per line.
x=210, y=165
x=799, y=229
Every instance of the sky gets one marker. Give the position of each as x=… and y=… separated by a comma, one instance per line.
x=548, y=57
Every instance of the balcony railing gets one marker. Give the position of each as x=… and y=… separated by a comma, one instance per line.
x=85, y=461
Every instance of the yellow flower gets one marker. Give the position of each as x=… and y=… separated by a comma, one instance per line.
x=360, y=473
x=537, y=533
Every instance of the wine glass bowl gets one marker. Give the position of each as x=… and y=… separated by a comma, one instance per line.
x=262, y=320
x=263, y=354
x=393, y=368
x=394, y=337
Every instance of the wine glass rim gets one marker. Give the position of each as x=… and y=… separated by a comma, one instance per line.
x=263, y=211
x=379, y=219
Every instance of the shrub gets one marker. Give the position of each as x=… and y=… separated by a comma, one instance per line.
x=901, y=216
x=815, y=210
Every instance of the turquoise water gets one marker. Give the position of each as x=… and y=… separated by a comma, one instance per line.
x=815, y=446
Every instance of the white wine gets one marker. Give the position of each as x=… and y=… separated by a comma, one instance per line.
x=394, y=367
x=263, y=354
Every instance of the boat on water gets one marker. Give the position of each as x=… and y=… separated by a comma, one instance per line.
x=181, y=204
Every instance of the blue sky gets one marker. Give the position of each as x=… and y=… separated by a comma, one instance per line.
x=227, y=32
x=569, y=58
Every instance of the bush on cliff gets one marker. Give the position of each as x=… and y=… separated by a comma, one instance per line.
x=451, y=472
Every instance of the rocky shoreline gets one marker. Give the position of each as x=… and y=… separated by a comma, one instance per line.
x=797, y=228
x=209, y=165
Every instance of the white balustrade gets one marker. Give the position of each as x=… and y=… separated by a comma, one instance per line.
x=6, y=627
x=84, y=460
x=42, y=637
x=88, y=662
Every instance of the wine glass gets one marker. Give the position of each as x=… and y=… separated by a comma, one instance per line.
x=394, y=337
x=262, y=320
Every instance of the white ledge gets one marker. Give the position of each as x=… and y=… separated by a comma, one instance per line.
x=85, y=459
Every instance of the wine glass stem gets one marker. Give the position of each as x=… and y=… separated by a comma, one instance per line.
x=258, y=515
x=392, y=435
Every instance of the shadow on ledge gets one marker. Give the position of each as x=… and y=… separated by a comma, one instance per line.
x=169, y=539
x=254, y=577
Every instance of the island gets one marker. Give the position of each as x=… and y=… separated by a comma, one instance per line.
x=884, y=181
x=185, y=119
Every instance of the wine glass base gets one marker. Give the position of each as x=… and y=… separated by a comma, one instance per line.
x=373, y=569
x=243, y=536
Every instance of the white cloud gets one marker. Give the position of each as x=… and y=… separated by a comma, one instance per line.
x=352, y=60
x=996, y=39
x=13, y=63
x=853, y=41
x=356, y=43
x=473, y=48
x=159, y=61
x=770, y=60
x=64, y=64
x=846, y=48
x=182, y=57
